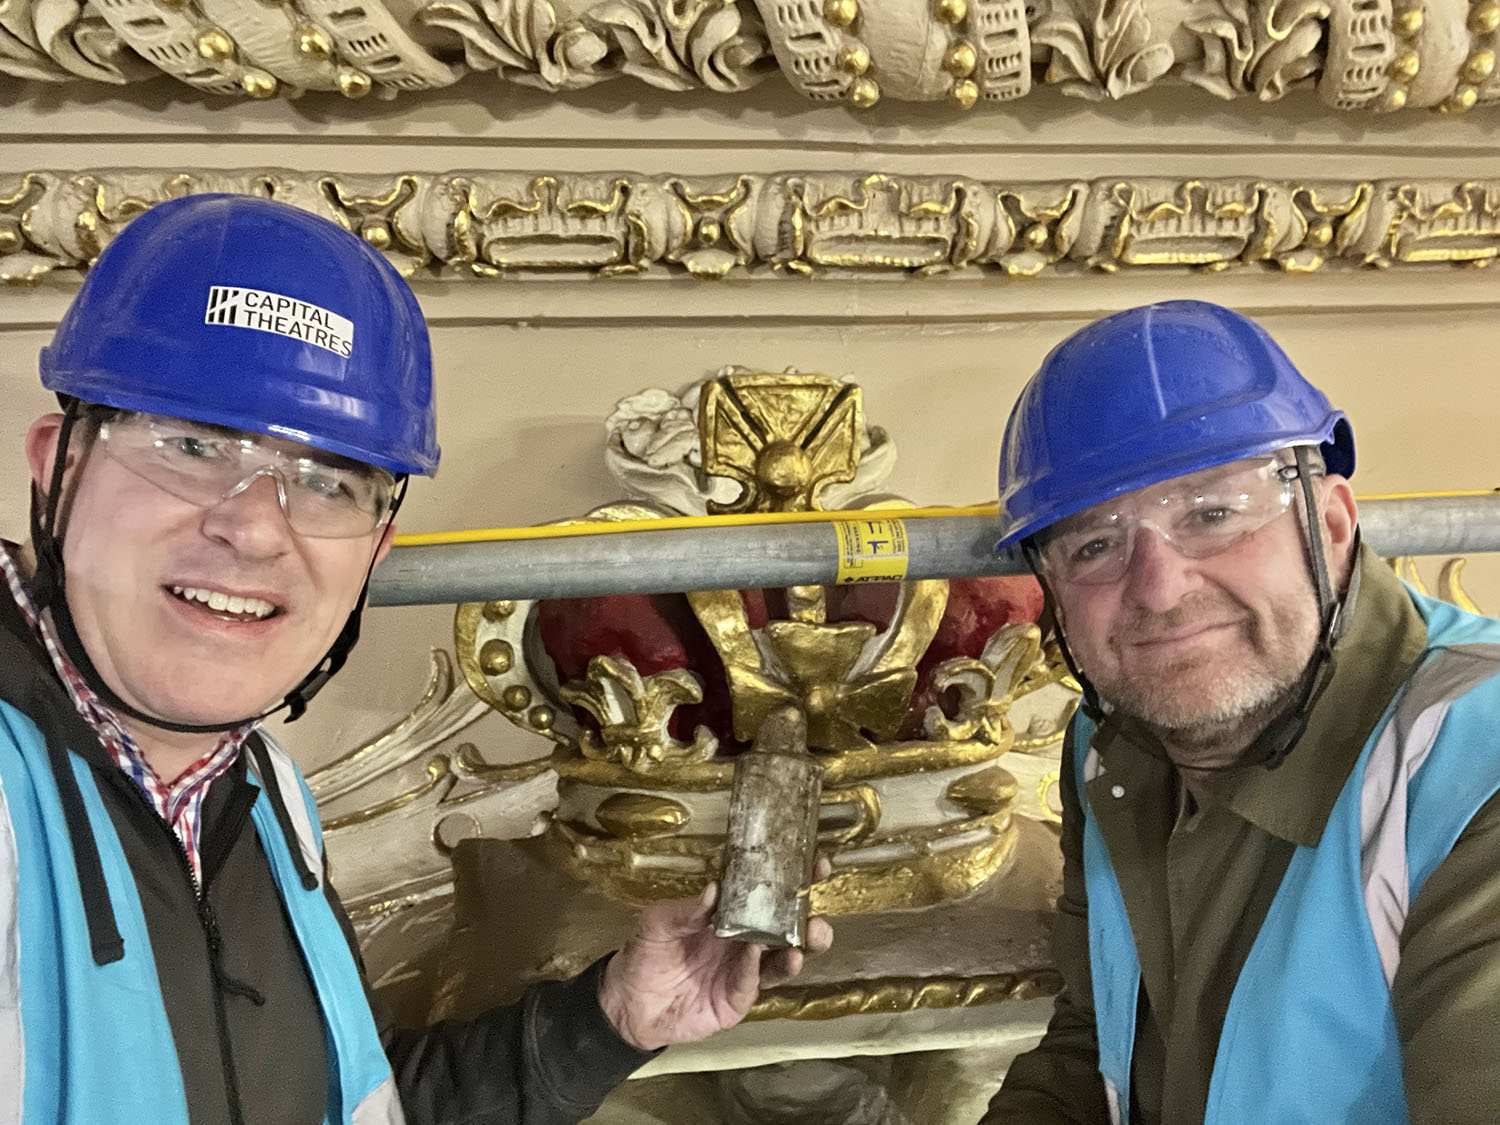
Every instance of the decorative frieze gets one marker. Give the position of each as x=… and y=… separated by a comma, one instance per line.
x=487, y=224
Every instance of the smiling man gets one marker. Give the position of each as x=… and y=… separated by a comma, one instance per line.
x=1281, y=834
x=245, y=391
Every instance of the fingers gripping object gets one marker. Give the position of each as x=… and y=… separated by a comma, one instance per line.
x=771, y=848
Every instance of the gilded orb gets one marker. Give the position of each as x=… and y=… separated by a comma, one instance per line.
x=214, y=45
x=1404, y=67
x=313, y=42
x=498, y=611
x=258, y=84
x=353, y=83
x=854, y=59
x=783, y=468
x=1484, y=18
x=960, y=60
x=1462, y=100
x=1408, y=22
x=840, y=13
x=1480, y=65
x=864, y=92
x=496, y=657
x=377, y=233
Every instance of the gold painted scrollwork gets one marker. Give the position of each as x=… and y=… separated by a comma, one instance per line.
x=1449, y=587
x=863, y=805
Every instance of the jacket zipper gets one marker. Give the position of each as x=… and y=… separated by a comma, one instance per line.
x=210, y=923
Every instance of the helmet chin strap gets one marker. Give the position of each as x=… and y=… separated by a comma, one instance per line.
x=1282, y=733
x=50, y=592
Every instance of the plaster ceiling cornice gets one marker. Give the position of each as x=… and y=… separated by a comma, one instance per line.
x=1358, y=55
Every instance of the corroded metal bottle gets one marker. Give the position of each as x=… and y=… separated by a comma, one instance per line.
x=771, y=845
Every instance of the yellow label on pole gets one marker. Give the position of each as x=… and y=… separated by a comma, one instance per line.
x=871, y=551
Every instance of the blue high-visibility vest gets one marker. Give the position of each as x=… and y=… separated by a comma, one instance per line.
x=1310, y=1032
x=83, y=1043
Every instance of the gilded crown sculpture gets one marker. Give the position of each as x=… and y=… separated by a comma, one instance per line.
x=648, y=698
x=935, y=707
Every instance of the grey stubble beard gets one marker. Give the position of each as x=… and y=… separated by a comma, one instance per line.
x=1216, y=729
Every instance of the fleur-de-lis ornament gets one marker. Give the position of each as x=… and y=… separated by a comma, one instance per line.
x=633, y=712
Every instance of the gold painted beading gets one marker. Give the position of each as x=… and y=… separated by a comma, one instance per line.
x=864, y=92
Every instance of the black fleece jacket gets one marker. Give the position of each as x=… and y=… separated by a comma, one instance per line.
x=245, y=1019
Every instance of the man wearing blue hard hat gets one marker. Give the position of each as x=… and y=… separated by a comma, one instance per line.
x=1281, y=835
x=245, y=391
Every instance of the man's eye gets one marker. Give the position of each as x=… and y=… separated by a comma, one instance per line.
x=326, y=486
x=193, y=448
x=1216, y=518
x=1091, y=550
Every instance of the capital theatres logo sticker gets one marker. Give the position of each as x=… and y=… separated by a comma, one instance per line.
x=285, y=316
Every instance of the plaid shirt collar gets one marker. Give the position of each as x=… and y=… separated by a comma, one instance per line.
x=179, y=801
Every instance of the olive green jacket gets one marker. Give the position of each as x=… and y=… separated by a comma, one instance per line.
x=1197, y=882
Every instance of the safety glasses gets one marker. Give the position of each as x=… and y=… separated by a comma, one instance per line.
x=1200, y=516
x=321, y=496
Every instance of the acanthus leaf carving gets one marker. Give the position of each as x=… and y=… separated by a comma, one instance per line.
x=1358, y=54
x=1258, y=47
x=674, y=45
x=1106, y=49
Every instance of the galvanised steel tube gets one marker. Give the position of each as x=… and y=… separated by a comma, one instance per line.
x=806, y=554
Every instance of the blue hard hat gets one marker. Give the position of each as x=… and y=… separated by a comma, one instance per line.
x=252, y=314
x=1150, y=394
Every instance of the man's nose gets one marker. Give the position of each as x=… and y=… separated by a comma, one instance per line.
x=1157, y=576
x=251, y=518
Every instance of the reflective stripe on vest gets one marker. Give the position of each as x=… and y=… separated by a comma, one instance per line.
x=381, y=1106
x=367, y=1090
x=66, y=1022
x=12, y=1045
x=1310, y=1033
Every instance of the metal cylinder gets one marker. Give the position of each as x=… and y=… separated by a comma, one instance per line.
x=770, y=848
x=807, y=554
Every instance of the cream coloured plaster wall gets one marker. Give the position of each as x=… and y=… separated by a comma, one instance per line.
x=528, y=369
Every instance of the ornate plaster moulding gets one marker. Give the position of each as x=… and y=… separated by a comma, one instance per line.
x=902, y=994
x=486, y=224
x=1356, y=54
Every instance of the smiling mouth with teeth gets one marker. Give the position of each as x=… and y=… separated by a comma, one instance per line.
x=243, y=609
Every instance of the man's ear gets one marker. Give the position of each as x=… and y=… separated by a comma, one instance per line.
x=385, y=541
x=41, y=448
x=1340, y=518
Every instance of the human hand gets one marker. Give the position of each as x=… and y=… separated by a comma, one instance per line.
x=676, y=981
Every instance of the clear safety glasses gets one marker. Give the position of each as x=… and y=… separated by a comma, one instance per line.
x=1200, y=516
x=321, y=496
